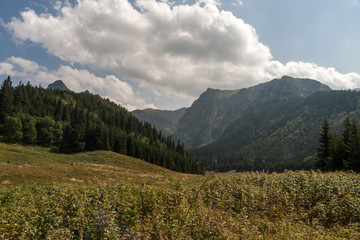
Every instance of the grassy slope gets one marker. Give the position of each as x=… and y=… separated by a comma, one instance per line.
x=24, y=164
x=116, y=205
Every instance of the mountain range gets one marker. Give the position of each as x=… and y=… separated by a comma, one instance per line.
x=273, y=125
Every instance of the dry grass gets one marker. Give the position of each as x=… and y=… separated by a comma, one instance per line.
x=23, y=164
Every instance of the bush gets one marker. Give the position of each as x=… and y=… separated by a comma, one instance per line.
x=12, y=130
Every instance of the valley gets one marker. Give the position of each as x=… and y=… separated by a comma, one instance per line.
x=63, y=179
x=272, y=126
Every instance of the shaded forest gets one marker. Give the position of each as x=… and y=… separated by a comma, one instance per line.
x=69, y=122
x=280, y=135
x=339, y=151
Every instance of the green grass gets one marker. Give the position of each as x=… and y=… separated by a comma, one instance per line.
x=22, y=164
x=116, y=197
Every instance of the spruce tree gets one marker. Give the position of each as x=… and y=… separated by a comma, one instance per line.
x=323, y=152
x=353, y=147
x=29, y=130
x=6, y=99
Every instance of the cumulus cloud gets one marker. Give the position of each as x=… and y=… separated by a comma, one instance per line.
x=177, y=49
x=77, y=80
x=328, y=76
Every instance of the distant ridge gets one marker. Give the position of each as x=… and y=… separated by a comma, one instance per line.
x=58, y=85
x=164, y=120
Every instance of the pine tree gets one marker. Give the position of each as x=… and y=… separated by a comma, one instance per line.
x=323, y=152
x=130, y=146
x=6, y=99
x=346, y=139
x=19, y=98
x=59, y=110
x=338, y=153
x=29, y=130
x=45, y=132
x=353, y=147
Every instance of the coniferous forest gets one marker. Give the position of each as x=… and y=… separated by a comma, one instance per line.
x=339, y=151
x=69, y=122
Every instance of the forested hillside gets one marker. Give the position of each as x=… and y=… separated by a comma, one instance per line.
x=71, y=122
x=279, y=135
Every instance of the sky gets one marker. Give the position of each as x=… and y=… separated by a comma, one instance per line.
x=164, y=54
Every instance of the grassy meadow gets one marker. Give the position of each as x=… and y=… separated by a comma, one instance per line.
x=32, y=165
x=103, y=195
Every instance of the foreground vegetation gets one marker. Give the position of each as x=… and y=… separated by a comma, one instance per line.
x=291, y=205
x=105, y=195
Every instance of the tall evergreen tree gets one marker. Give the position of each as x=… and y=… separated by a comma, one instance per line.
x=323, y=152
x=29, y=130
x=6, y=99
x=346, y=139
x=353, y=147
x=337, y=152
x=45, y=131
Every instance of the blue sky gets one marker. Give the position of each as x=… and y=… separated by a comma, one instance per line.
x=164, y=54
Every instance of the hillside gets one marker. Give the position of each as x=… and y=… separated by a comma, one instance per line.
x=281, y=135
x=164, y=120
x=69, y=122
x=28, y=165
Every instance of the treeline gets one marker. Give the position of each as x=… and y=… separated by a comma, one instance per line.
x=71, y=122
x=339, y=151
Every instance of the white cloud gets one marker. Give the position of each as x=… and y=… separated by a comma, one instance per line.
x=77, y=80
x=6, y=68
x=180, y=49
x=213, y=2
x=328, y=76
x=238, y=3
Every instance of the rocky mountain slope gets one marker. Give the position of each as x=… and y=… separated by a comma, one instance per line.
x=164, y=120
x=209, y=116
x=58, y=85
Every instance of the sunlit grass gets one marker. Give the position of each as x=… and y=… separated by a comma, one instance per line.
x=23, y=164
x=101, y=195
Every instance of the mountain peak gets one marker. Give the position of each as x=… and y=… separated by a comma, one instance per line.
x=58, y=85
x=298, y=86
